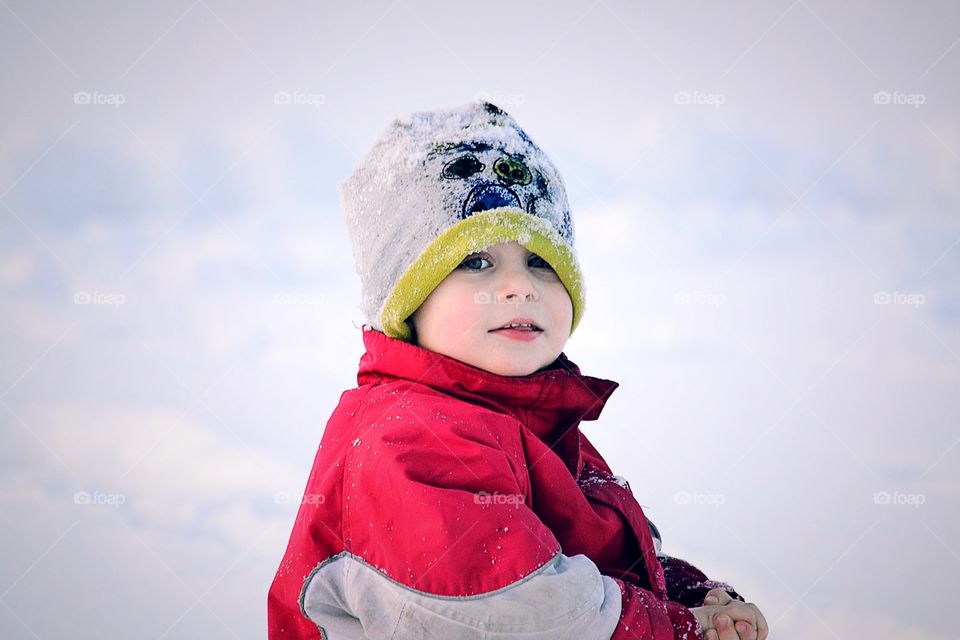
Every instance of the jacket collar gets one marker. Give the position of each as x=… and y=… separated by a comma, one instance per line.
x=550, y=402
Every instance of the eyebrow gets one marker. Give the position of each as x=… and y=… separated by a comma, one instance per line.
x=448, y=147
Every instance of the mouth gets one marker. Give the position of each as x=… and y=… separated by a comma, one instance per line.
x=489, y=196
x=519, y=325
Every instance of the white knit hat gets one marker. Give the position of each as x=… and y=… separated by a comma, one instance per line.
x=440, y=185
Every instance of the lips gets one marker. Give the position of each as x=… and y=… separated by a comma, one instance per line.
x=489, y=196
x=520, y=324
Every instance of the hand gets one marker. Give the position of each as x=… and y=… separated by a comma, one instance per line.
x=723, y=618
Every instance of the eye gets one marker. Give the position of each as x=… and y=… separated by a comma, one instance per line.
x=474, y=262
x=537, y=262
x=512, y=170
x=462, y=167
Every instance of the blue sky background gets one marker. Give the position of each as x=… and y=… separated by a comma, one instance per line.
x=786, y=431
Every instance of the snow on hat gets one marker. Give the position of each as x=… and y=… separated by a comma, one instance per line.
x=440, y=185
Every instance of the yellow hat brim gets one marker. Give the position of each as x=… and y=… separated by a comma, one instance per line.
x=470, y=235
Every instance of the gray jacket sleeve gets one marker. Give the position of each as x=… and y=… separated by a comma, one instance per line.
x=566, y=598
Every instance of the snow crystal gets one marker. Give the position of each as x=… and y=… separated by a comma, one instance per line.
x=594, y=480
x=621, y=481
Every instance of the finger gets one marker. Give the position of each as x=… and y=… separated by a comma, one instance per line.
x=745, y=630
x=725, y=628
x=740, y=611
x=711, y=634
x=762, y=630
x=755, y=618
x=717, y=597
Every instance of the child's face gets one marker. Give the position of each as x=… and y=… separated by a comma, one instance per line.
x=462, y=317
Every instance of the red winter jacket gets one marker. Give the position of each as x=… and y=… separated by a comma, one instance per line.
x=449, y=502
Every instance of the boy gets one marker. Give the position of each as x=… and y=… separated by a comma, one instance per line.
x=453, y=494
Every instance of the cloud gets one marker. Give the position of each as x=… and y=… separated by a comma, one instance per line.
x=152, y=502
x=174, y=473
x=78, y=181
x=16, y=268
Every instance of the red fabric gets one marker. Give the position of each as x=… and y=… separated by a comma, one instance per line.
x=688, y=585
x=456, y=481
x=637, y=620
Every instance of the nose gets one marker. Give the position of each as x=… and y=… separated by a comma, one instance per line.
x=516, y=286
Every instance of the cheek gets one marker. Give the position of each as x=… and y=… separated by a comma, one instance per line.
x=465, y=311
x=561, y=306
x=452, y=308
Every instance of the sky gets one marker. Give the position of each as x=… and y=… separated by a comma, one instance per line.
x=767, y=212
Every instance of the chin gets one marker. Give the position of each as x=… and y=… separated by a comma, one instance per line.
x=516, y=373
x=510, y=368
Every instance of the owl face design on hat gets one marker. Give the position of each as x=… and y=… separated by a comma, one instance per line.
x=480, y=175
x=487, y=177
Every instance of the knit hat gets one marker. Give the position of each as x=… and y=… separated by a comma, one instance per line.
x=440, y=185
